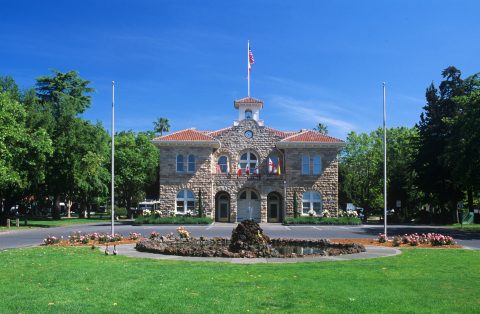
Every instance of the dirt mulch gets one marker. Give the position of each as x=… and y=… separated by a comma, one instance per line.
x=390, y=244
x=93, y=243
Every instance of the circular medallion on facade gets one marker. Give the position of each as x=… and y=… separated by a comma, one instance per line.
x=248, y=134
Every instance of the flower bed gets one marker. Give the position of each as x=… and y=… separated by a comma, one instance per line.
x=415, y=239
x=178, y=220
x=78, y=238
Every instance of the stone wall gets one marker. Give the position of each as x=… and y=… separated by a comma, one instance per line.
x=233, y=144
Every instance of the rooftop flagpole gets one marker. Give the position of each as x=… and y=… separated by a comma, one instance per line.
x=113, y=158
x=384, y=162
x=248, y=66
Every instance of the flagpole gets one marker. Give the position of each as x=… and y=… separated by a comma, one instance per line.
x=384, y=162
x=113, y=158
x=248, y=66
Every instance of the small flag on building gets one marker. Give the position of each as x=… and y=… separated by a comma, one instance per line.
x=218, y=169
x=279, y=172
x=239, y=170
x=270, y=165
x=257, y=171
x=247, y=170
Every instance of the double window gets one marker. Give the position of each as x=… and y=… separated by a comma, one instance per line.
x=186, y=164
x=250, y=160
x=311, y=164
x=185, y=202
x=312, y=203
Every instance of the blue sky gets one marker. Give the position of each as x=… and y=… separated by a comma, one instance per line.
x=315, y=61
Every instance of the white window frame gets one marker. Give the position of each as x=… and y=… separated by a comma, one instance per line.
x=311, y=200
x=188, y=202
x=252, y=162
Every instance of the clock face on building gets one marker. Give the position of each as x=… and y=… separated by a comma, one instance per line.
x=248, y=134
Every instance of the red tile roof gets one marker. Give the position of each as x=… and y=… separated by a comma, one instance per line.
x=186, y=135
x=248, y=100
x=280, y=133
x=219, y=132
x=311, y=137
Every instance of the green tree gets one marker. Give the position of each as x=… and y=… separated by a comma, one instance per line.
x=136, y=162
x=321, y=128
x=23, y=152
x=64, y=96
x=161, y=125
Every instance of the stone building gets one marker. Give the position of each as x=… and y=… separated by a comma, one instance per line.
x=248, y=170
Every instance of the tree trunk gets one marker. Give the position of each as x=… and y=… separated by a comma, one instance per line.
x=89, y=209
x=69, y=208
x=470, y=198
x=56, y=208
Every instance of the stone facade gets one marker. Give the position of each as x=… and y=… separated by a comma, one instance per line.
x=272, y=191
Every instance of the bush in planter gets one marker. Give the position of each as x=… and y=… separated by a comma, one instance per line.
x=174, y=220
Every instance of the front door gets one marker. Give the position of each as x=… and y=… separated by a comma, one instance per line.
x=273, y=209
x=248, y=206
x=223, y=210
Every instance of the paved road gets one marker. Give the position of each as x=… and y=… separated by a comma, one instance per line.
x=32, y=237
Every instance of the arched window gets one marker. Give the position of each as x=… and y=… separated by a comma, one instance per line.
x=248, y=114
x=253, y=195
x=305, y=164
x=222, y=164
x=191, y=163
x=243, y=195
x=180, y=163
x=317, y=164
x=249, y=159
x=312, y=203
x=185, y=201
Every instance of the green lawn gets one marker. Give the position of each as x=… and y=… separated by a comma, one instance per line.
x=79, y=280
x=49, y=223
x=467, y=228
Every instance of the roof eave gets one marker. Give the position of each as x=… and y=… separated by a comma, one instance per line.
x=336, y=145
x=213, y=144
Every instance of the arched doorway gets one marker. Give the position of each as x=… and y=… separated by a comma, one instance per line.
x=274, y=207
x=248, y=205
x=222, y=207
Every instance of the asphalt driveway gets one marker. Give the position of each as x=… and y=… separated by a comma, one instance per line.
x=33, y=237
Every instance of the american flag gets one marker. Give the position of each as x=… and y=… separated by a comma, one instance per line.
x=250, y=58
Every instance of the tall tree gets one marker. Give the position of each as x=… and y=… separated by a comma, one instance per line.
x=433, y=164
x=65, y=96
x=23, y=152
x=321, y=128
x=161, y=125
x=136, y=162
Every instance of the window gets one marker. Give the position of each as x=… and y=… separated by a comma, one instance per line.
x=317, y=164
x=243, y=196
x=253, y=195
x=222, y=164
x=312, y=203
x=179, y=163
x=191, y=163
x=248, y=114
x=305, y=164
x=249, y=159
x=185, y=201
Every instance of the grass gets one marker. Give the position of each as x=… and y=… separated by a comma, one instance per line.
x=79, y=280
x=183, y=220
x=307, y=220
x=467, y=227
x=49, y=223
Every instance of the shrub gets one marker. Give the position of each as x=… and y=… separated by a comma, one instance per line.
x=78, y=237
x=307, y=220
x=183, y=233
x=397, y=240
x=134, y=236
x=51, y=240
x=382, y=238
x=154, y=235
x=177, y=220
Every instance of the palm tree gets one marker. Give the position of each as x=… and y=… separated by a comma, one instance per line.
x=321, y=128
x=161, y=125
